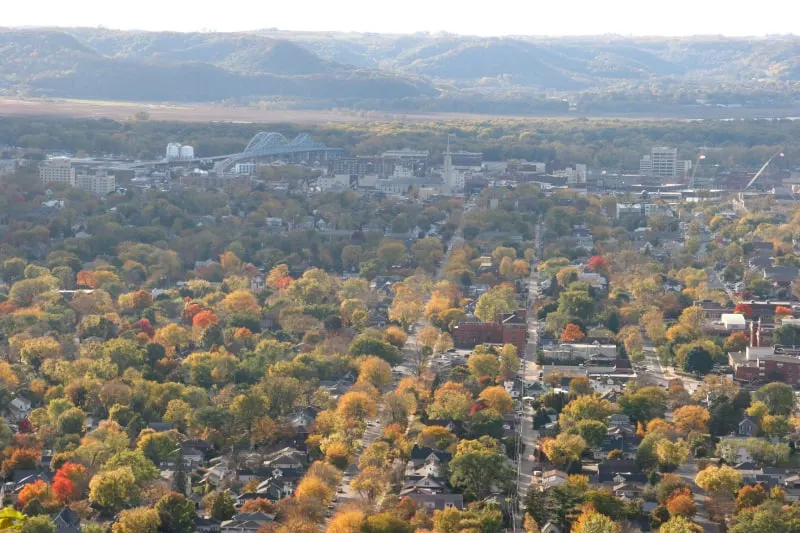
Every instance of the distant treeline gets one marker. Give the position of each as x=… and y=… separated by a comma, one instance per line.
x=611, y=144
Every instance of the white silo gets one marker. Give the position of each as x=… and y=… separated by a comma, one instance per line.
x=173, y=150
x=187, y=152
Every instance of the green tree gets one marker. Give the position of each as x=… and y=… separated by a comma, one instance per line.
x=39, y=524
x=220, y=505
x=592, y=431
x=494, y=302
x=778, y=397
x=177, y=513
x=114, y=489
x=698, y=360
x=142, y=467
x=787, y=335
x=477, y=466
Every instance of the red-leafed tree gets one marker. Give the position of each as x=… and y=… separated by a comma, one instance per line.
x=599, y=264
x=744, y=309
x=144, y=326
x=203, y=319
x=70, y=482
x=572, y=333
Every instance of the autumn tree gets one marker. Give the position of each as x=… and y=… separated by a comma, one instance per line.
x=356, y=406
x=370, y=483
x=691, y=419
x=572, y=333
x=349, y=521
x=671, y=454
x=720, y=479
x=681, y=503
x=679, y=524
x=436, y=437
x=564, y=448
x=137, y=520
x=113, y=489
x=594, y=522
x=375, y=371
x=497, y=398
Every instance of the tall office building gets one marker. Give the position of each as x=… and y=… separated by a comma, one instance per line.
x=661, y=163
x=57, y=170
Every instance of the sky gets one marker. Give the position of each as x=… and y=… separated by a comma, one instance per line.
x=470, y=17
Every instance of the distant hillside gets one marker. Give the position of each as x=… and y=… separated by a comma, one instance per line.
x=403, y=72
x=139, y=66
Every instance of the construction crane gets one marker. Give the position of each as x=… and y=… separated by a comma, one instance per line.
x=763, y=168
x=700, y=157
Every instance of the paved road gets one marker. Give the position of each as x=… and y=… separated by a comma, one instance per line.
x=346, y=492
x=528, y=372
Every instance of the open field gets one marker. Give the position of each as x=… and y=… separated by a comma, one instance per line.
x=208, y=112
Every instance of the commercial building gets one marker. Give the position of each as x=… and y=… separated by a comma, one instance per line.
x=766, y=364
x=574, y=174
x=57, y=170
x=509, y=328
x=662, y=162
x=101, y=183
x=415, y=161
x=463, y=159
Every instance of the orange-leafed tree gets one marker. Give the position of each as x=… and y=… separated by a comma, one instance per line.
x=572, y=333
x=87, y=278
x=23, y=458
x=39, y=490
x=259, y=505
x=681, y=503
x=782, y=310
x=203, y=319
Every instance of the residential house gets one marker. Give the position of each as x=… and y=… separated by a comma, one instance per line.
x=206, y=525
x=19, y=409
x=67, y=521
x=438, y=502
x=246, y=523
x=432, y=494
x=614, y=472
x=218, y=472
x=748, y=427
x=286, y=459
x=551, y=479
x=628, y=491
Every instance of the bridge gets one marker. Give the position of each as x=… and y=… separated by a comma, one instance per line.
x=264, y=145
x=272, y=145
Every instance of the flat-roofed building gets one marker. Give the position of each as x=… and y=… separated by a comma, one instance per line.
x=57, y=170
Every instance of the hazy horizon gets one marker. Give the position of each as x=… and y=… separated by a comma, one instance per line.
x=626, y=18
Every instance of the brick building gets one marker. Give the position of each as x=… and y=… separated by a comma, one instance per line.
x=767, y=363
x=509, y=328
